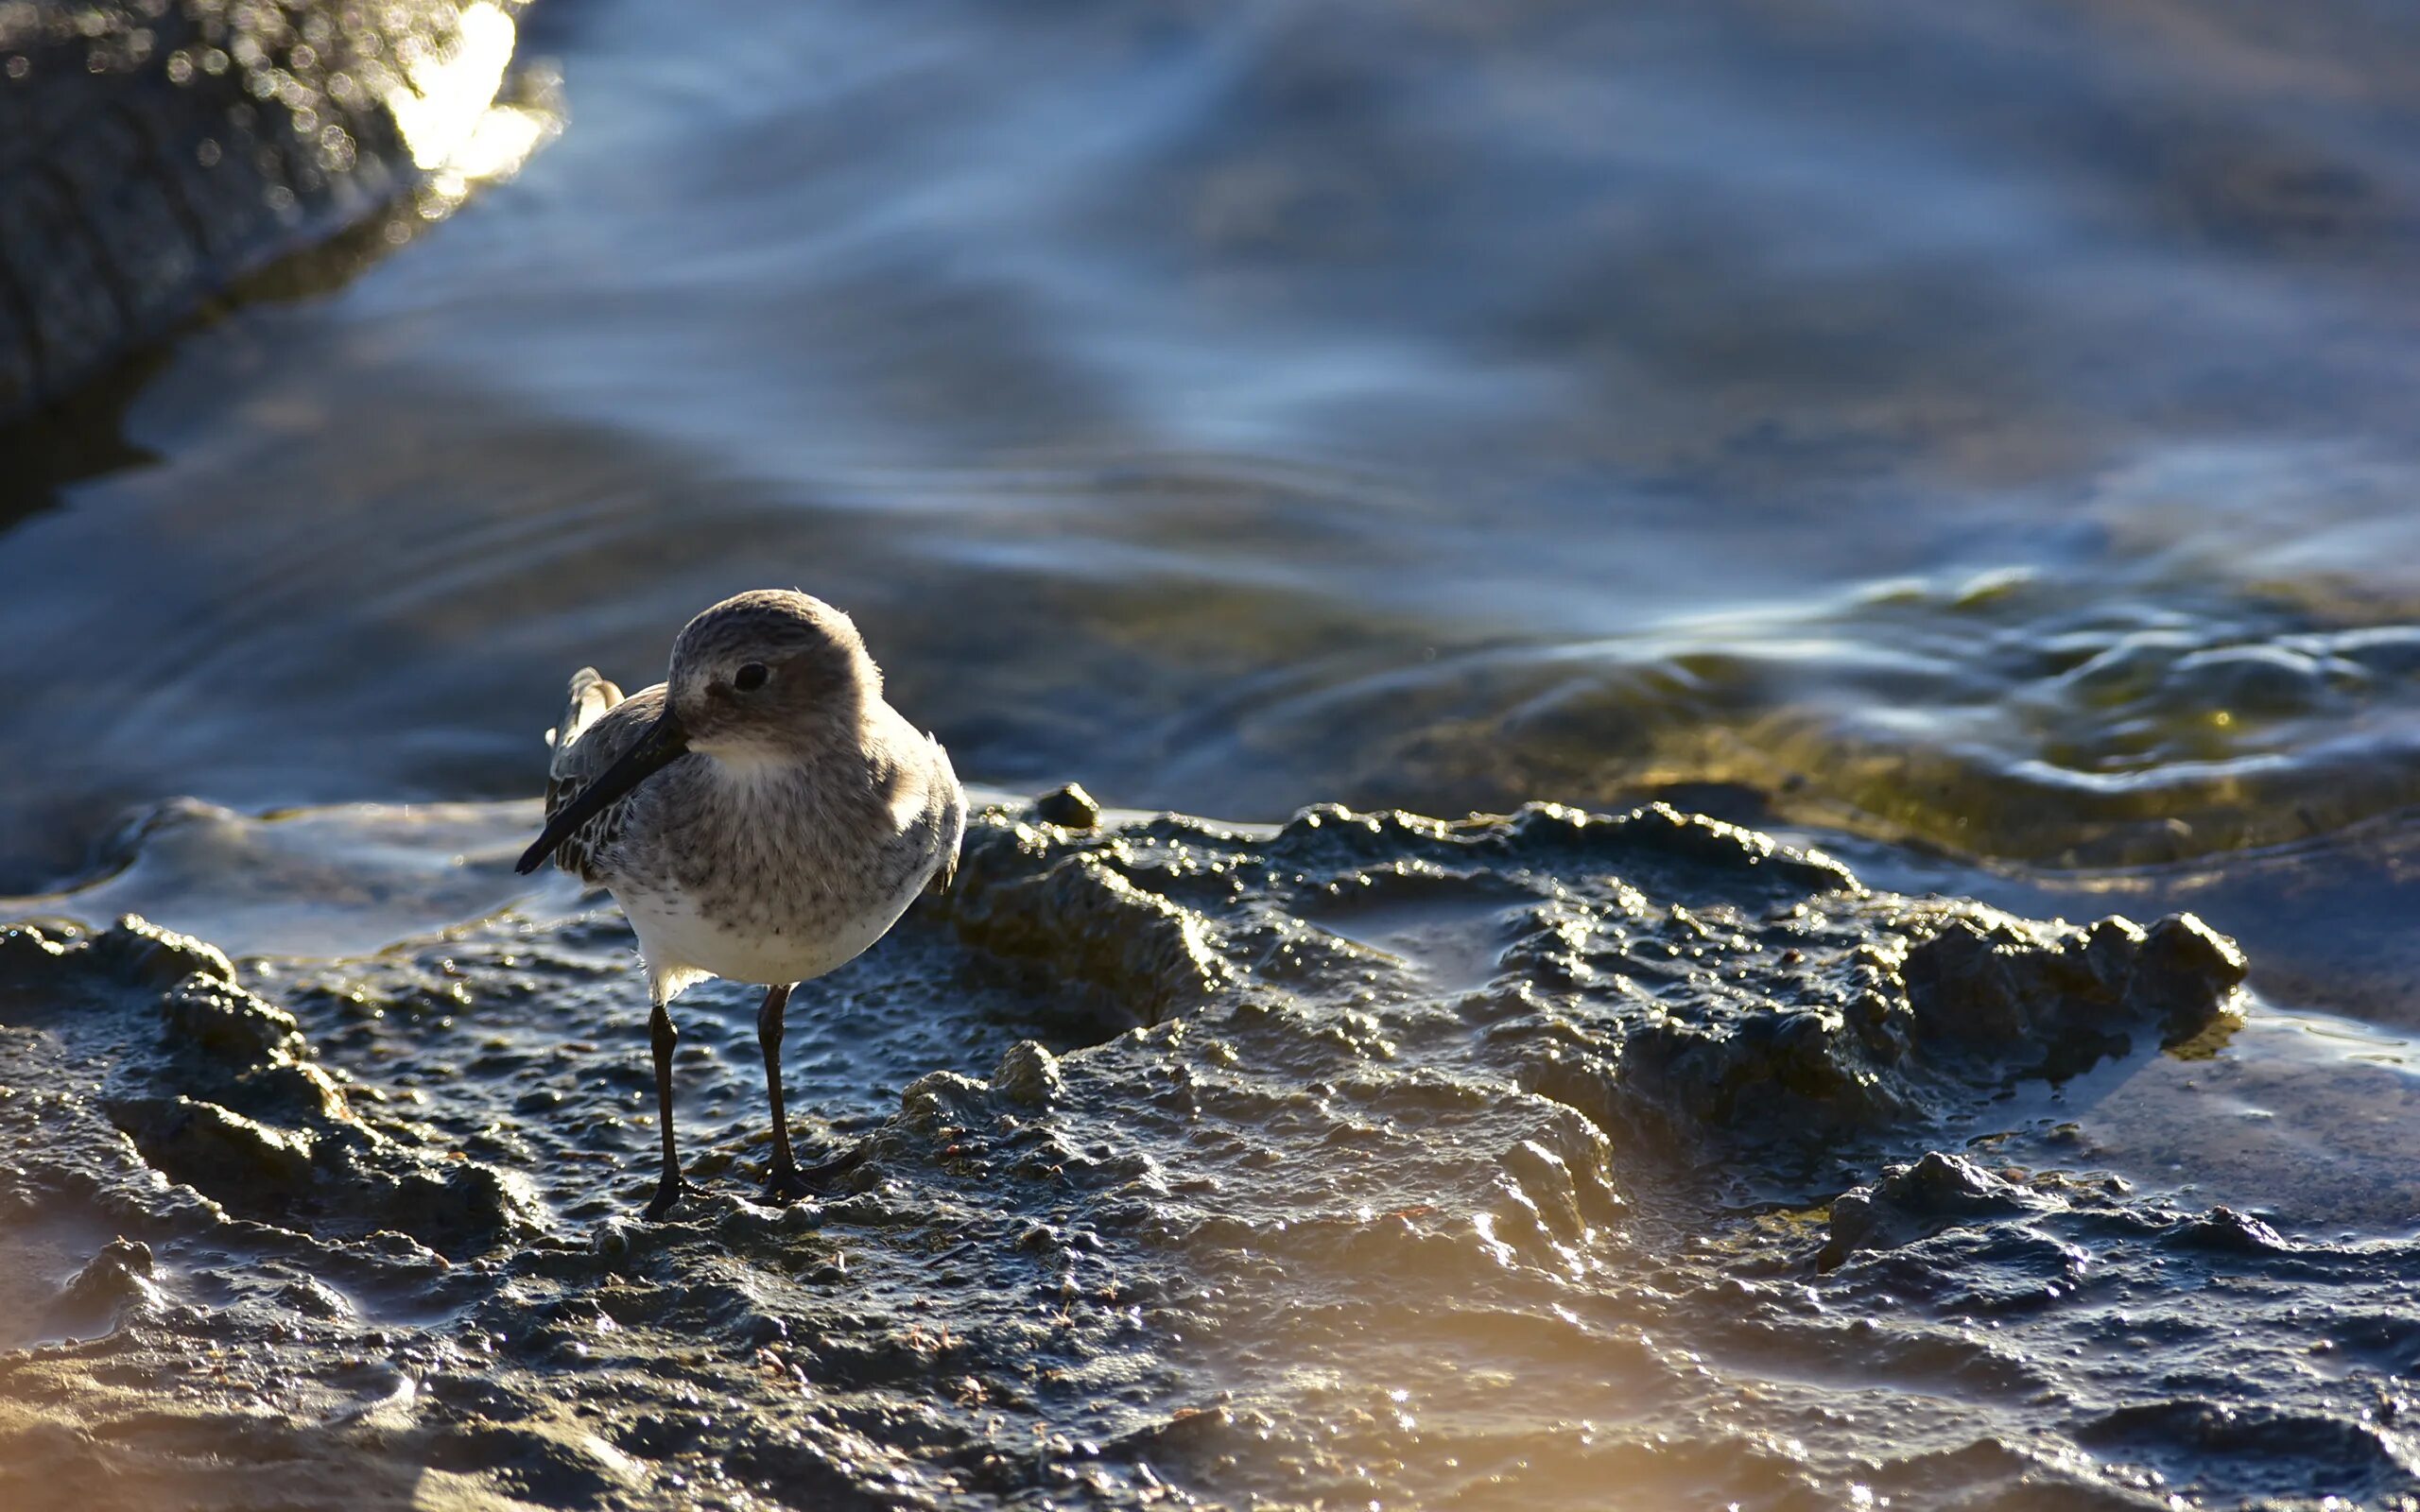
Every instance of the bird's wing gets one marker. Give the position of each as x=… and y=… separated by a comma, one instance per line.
x=953, y=819
x=599, y=726
x=586, y=702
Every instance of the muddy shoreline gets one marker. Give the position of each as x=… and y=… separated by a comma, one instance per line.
x=1368, y=1158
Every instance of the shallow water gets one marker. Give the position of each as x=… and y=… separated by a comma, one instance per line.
x=1975, y=440
x=1987, y=428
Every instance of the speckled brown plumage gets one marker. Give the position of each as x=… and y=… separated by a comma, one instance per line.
x=784, y=817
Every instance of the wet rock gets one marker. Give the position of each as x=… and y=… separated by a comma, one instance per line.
x=1029, y=1076
x=117, y=1278
x=1917, y=1201
x=313, y=1298
x=141, y=954
x=1996, y=983
x=27, y=955
x=453, y=1206
x=2184, y=968
x=1084, y=915
x=939, y=1100
x=1658, y=838
x=216, y=1017
x=1069, y=807
x=555, y=1469
x=2291, y=1452
x=159, y=152
x=220, y=1091
x=222, y=1153
x=1563, y=1196
x=2225, y=1230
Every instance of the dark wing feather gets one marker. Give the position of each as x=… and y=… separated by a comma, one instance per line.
x=599, y=726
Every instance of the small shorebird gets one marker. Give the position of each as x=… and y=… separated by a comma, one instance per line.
x=762, y=816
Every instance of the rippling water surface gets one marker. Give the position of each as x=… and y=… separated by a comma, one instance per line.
x=1978, y=439
x=1988, y=427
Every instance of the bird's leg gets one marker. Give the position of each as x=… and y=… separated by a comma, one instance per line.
x=668, y=1188
x=782, y=1183
x=785, y=1181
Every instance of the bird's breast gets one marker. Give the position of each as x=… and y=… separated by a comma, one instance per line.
x=745, y=935
x=760, y=875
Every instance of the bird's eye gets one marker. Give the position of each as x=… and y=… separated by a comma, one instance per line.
x=751, y=677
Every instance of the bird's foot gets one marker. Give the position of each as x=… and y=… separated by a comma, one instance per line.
x=668, y=1193
x=787, y=1181
x=785, y=1184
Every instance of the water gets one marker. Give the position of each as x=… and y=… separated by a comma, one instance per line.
x=1179, y=398
x=1973, y=440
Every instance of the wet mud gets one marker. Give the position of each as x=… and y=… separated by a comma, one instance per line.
x=1546, y=1161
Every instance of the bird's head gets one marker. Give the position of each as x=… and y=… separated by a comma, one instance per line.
x=768, y=676
x=762, y=677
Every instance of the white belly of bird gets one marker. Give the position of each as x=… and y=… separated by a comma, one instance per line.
x=681, y=945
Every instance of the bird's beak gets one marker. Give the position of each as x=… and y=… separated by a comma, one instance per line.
x=662, y=742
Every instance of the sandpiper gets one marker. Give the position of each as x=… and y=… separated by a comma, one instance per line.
x=762, y=815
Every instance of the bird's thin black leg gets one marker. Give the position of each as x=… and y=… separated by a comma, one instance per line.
x=785, y=1181
x=782, y=1183
x=668, y=1188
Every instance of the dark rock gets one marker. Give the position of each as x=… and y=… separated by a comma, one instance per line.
x=213, y=1016
x=1917, y=1201
x=152, y=154
x=1069, y=807
x=140, y=954
x=1029, y=1076
x=117, y=1278
x=249, y=1166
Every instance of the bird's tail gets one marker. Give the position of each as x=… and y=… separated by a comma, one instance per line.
x=589, y=698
